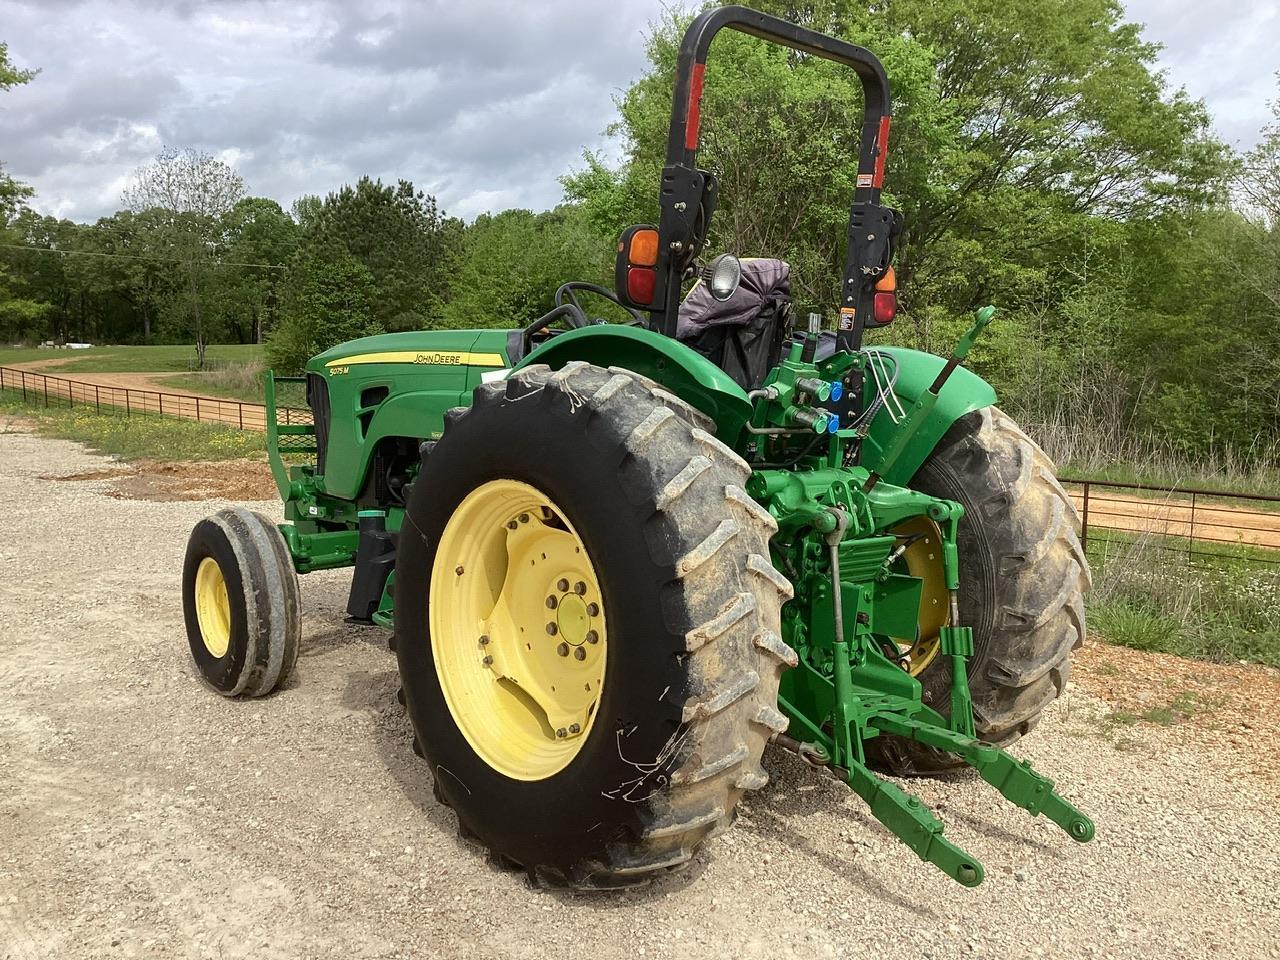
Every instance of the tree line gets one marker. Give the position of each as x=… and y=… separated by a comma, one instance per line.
x=1041, y=160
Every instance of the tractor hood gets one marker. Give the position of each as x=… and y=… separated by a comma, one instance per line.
x=472, y=348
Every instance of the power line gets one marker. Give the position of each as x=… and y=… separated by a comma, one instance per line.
x=134, y=256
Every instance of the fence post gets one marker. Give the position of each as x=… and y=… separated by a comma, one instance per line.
x=71, y=393
x=1084, y=520
x=97, y=399
x=24, y=386
x=161, y=397
x=240, y=404
x=126, y=401
x=197, y=409
x=46, y=389
x=1191, y=536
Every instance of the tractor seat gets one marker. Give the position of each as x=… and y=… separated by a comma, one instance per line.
x=743, y=335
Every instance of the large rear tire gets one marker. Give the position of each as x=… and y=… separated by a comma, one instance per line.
x=1023, y=576
x=605, y=475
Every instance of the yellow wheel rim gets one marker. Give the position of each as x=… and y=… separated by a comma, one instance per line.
x=517, y=629
x=923, y=559
x=213, y=609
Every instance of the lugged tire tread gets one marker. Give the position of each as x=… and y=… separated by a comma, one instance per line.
x=730, y=717
x=1042, y=575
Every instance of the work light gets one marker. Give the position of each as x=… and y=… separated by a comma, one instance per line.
x=722, y=276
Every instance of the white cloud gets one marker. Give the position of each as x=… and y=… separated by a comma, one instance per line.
x=484, y=103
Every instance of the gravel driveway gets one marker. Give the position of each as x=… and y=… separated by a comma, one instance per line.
x=143, y=816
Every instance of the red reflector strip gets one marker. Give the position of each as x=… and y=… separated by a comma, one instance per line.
x=642, y=282
x=882, y=152
x=693, y=115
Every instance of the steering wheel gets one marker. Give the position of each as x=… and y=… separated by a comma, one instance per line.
x=566, y=290
x=570, y=310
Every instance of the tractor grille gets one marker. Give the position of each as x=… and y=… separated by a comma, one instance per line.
x=318, y=401
x=293, y=418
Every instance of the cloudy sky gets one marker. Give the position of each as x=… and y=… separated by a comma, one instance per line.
x=482, y=103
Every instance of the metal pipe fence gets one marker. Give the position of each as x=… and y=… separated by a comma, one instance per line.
x=1195, y=523
x=39, y=389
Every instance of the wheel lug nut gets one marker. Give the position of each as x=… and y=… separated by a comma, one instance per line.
x=593, y=637
x=487, y=660
x=484, y=639
x=562, y=585
x=562, y=733
x=593, y=609
x=579, y=588
x=563, y=649
x=579, y=653
x=552, y=629
x=511, y=524
x=524, y=518
x=458, y=571
x=551, y=603
x=574, y=728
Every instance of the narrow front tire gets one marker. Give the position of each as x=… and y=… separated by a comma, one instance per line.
x=241, y=603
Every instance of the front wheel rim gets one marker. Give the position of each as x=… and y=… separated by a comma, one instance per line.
x=518, y=633
x=213, y=608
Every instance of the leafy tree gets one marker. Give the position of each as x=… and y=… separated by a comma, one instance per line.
x=12, y=193
x=260, y=239
x=192, y=192
x=17, y=314
x=398, y=234
x=1013, y=124
x=332, y=300
x=511, y=263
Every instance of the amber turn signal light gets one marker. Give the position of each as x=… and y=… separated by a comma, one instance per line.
x=643, y=248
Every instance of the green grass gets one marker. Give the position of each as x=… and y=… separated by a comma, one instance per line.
x=1184, y=706
x=138, y=438
x=168, y=357
x=1224, y=608
x=213, y=385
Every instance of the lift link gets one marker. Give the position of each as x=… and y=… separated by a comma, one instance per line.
x=908, y=819
x=1015, y=779
x=903, y=814
x=957, y=644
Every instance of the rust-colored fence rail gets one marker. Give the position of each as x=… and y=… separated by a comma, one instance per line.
x=1195, y=523
x=39, y=389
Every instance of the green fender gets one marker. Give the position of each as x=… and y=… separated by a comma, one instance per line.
x=683, y=371
x=963, y=393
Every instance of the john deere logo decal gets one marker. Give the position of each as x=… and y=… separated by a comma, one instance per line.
x=433, y=359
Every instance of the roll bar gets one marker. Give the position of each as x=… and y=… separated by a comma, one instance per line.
x=682, y=137
x=688, y=194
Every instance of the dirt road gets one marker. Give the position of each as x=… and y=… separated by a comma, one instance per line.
x=143, y=816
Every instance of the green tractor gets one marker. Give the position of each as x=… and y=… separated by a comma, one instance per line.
x=619, y=559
